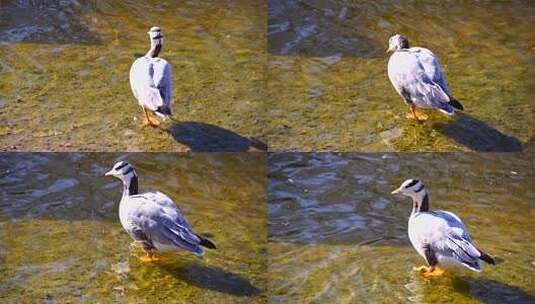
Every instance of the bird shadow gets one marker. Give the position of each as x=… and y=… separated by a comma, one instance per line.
x=478, y=135
x=212, y=278
x=491, y=291
x=51, y=22
x=308, y=29
x=203, y=137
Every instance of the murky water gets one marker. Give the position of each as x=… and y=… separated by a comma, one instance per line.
x=337, y=235
x=64, y=75
x=328, y=84
x=61, y=240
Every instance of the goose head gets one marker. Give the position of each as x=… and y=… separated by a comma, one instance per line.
x=397, y=42
x=156, y=41
x=414, y=189
x=126, y=173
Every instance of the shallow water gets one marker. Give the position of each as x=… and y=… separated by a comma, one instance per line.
x=64, y=75
x=61, y=240
x=337, y=235
x=329, y=89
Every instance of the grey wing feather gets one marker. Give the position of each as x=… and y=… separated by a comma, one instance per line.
x=453, y=221
x=427, y=91
x=432, y=68
x=456, y=242
x=163, y=81
x=415, y=79
x=167, y=232
x=164, y=84
x=163, y=223
x=183, y=232
x=462, y=250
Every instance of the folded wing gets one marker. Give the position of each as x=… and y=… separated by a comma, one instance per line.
x=159, y=219
x=453, y=242
x=151, y=84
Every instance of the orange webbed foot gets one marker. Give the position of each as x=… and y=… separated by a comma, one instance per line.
x=149, y=258
x=428, y=272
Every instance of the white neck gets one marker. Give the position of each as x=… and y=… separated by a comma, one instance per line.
x=125, y=190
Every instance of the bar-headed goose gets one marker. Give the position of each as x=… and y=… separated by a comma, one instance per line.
x=439, y=236
x=417, y=77
x=152, y=218
x=150, y=80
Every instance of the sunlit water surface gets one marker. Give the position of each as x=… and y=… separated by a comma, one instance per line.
x=61, y=240
x=64, y=75
x=328, y=86
x=336, y=235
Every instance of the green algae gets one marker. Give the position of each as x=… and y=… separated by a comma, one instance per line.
x=336, y=234
x=325, y=71
x=67, y=93
x=61, y=240
x=328, y=85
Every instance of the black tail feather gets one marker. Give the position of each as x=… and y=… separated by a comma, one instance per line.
x=206, y=243
x=487, y=258
x=165, y=110
x=456, y=104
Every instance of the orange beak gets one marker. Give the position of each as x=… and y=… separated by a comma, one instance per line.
x=397, y=191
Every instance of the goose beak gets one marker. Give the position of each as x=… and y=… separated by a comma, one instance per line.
x=388, y=50
x=397, y=191
x=108, y=173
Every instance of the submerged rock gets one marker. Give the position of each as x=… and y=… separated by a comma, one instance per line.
x=331, y=60
x=389, y=136
x=121, y=269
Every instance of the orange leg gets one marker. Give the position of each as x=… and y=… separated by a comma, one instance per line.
x=148, y=121
x=412, y=114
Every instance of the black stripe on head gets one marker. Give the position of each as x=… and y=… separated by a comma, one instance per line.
x=420, y=189
x=157, y=37
x=414, y=182
x=130, y=169
x=121, y=166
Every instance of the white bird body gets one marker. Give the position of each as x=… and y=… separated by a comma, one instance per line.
x=145, y=211
x=440, y=237
x=441, y=229
x=417, y=77
x=152, y=219
x=150, y=80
